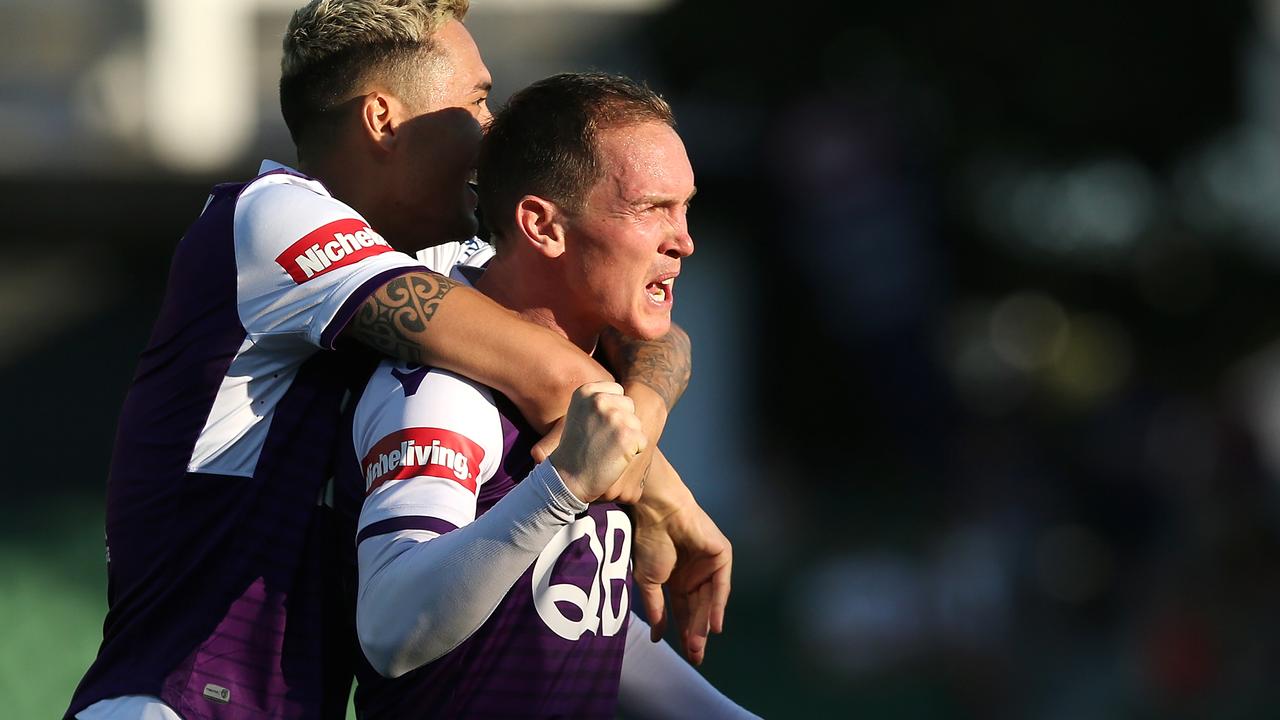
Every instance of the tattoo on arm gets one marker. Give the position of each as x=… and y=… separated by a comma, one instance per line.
x=389, y=320
x=664, y=364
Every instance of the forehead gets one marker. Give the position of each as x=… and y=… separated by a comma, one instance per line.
x=456, y=67
x=642, y=160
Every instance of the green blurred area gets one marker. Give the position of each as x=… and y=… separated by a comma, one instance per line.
x=53, y=600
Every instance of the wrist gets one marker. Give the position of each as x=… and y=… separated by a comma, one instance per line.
x=665, y=494
x=651, y=408
x=569, y=481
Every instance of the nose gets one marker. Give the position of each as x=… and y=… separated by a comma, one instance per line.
x=680, y=243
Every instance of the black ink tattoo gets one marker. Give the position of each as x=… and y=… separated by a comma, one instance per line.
x=664, y=364
x=392, y=317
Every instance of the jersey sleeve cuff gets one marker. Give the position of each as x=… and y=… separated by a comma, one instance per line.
x=348, y=309
x=559, y=498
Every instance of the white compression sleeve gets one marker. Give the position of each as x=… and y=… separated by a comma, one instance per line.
x=421, y=594
x=658, y=683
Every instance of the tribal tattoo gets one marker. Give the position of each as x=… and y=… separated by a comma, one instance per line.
x=664, y=364
x=389, y=319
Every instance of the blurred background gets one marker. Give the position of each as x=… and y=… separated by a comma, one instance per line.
x=987, y=386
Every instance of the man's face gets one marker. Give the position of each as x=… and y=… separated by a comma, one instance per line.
x=625, y=245
x=442, y=141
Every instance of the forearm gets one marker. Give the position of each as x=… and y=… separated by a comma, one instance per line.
x=428, y=319
x=653, y=374
x=419, y=598
x=656, y=683
x=663, y=365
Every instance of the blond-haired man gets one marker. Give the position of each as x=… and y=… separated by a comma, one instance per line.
x=219, y=584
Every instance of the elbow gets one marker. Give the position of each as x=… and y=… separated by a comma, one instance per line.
x=396, y=648
x=565, y=377
x=553, y=388
x=380, y=649
x=388, y=648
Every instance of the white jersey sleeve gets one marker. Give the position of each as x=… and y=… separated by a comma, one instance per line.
x=427, y=440
x=305, y=261
x=658, y=683
x=467, y=253
x=430, y=572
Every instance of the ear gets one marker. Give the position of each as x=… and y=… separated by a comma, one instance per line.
x=541, y=224
x=380, y=114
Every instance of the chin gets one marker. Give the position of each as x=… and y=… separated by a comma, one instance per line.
x=650, y=329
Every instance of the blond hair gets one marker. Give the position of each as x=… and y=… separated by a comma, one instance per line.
x=323, y=28
x=333, y=47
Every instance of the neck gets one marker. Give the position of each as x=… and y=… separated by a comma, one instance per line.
x=535, y=291
x=364, y=188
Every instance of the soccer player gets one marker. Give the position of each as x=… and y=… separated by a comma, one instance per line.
x=488, y=586
x=219, y=542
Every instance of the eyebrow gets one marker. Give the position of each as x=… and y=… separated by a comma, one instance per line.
x=485, y=85
x=660, y=199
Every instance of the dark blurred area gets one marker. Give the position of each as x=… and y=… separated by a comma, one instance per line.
x=987, y=387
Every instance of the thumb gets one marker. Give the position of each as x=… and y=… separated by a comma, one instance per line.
x=654, y=608
x=549, y=442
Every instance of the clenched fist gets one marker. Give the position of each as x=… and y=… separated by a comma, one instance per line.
x=602, y=437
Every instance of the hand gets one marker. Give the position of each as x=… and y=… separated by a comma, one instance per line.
x=549, y=442
x=678, y=545
x=602, y=438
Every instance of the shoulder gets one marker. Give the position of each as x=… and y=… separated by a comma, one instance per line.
x=427, y=405
x=279, y=200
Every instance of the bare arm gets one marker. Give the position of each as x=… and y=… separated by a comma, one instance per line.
x=663, y=365
x=428, y=319
x=653, y=373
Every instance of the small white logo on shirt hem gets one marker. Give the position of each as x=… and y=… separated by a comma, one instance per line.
x=217, y=693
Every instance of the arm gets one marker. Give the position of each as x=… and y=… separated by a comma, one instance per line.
x=662, y=366
x=422, y=593
x=656, y=683
x=676, y=543
x=424, y=318
x=431, y=572
x=653, y=373
x=678, y=546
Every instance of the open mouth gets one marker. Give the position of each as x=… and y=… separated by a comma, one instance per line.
x=662, y=291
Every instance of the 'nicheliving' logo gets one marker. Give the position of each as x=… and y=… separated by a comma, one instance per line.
x=422, y=451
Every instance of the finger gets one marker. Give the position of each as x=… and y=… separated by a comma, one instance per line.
x=602, y=387
x=654, y=609
x=678, y=604
x=696, y=631
x=719, y=596
x=549, y=442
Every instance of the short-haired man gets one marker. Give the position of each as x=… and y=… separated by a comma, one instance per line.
x=489, y=587
x=218, y=584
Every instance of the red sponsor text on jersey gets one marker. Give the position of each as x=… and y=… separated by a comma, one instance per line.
x=421, y=451
x=329, y=247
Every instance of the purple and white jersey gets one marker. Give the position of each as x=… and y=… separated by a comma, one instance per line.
x=214, y=531
x=435, y=453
